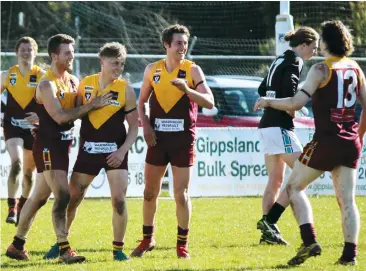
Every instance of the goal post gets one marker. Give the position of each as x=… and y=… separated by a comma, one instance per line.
x=284, y=23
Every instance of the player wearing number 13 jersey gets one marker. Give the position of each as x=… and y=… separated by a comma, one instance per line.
x=334, y=85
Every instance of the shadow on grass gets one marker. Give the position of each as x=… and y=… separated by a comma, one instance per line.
x=230, y=269
x=26, y=264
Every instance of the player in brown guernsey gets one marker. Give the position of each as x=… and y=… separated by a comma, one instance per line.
x=20, y=83
x=104, y=142
x=334, y=85
x=176, y=86
x=56, y=97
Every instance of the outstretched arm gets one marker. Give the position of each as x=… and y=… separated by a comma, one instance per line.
x=317, y=74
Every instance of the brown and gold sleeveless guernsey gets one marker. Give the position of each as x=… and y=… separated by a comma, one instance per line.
x=173, y=114
x=334, y=102
x=20, y=93
x=104, y=124
x=53, y=141
x=66, y=94
x=335, y=141
x=102, y=131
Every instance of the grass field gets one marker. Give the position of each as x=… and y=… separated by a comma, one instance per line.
x=223, y=237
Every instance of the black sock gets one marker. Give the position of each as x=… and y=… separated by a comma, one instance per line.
x=148, y=231
x=275, y=213
x=308, y=234
x=182, y=236
x=11, y=203
x=349, y=251
x=18, y=243
x=64, y=246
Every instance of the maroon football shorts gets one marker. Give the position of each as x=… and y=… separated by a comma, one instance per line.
x=179, y=157
x=11, y=131
x=328, y=154
x=91, y=163
x=51, y=155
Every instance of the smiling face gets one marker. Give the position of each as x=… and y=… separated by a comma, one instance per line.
x=112, y=66
x=178, y=46
x=26, y=53
x=65, y=57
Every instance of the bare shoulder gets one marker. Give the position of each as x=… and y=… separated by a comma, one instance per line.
x=42, y=72
x=130, y=91
x=197, y=72
x=320, y=70
x=148, y=68
x=4, y=74
x=45, y=85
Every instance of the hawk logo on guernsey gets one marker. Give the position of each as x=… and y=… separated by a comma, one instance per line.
x=87, y=96
x=62, y=95
x=13, y=81
x=182, y=74
x=156, y=79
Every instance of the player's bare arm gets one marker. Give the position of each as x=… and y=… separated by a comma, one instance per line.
x=3, y=79
x=317, y=75
x=79, y=97
x=145, y=92
x=202, y=95
x=46, y=93
x=116, y=158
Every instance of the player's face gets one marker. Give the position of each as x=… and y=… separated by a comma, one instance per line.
x=26, y=52
x=112, y=66
x=310, y=50
x=65, y=57
x=178, y=47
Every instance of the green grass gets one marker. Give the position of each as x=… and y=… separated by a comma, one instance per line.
x=223, y=237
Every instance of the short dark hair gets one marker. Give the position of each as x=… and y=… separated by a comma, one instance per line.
x=26, y=40
x=167, y=34
x=337, y=38
x=54, y=42
x=302, y=35
x=113, y=49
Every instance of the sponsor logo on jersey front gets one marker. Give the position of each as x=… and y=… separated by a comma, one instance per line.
x=99, y=147
x=169, y=125
x=182, y=74
x=32, y=81
x=21, y=123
